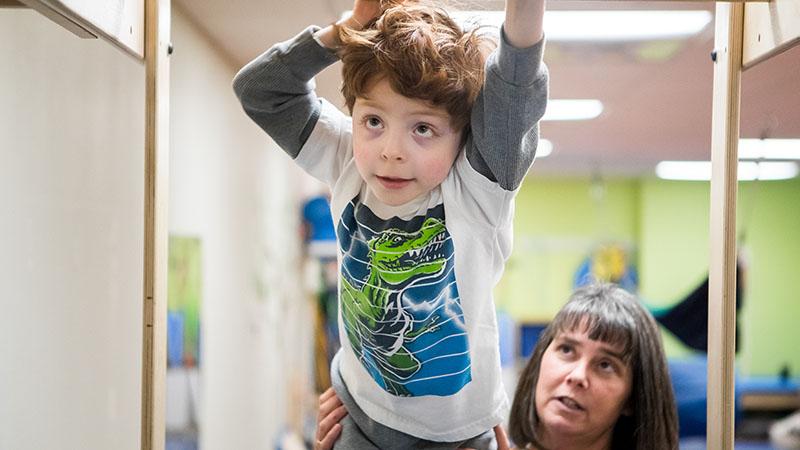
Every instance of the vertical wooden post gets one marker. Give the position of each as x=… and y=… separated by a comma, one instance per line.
x=154, y=351
x=722, y=283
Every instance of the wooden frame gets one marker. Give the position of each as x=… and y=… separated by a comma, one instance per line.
x=154, y=345
x=154, y=16
x=745, y=35
x=728, y=37
x=75, y=26
x=771, y=402
x=120, y=22
x=769, y=29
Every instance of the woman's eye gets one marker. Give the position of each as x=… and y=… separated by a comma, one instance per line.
x=607, y=366
x=373, y=122
x=424, y=130
x=564, y=349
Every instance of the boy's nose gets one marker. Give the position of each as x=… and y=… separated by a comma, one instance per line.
x=393, y=149
x=392, y=156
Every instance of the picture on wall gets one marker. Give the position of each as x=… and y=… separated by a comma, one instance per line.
x=184, y=287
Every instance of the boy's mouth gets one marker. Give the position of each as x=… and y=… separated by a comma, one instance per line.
x=393, y=182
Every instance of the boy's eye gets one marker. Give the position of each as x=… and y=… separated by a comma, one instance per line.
x=373, y=122
x=424, y=130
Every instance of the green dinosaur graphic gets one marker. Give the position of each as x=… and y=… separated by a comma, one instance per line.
x=377, y=325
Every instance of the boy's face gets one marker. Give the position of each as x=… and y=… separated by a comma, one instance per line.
x=403, y=147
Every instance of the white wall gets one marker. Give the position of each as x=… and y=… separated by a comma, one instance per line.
x=233, y=188
x=71, y=189
x=71, y=202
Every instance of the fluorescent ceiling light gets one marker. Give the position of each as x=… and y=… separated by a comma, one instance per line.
x=781, y=149
x=573, y=109
x=544, y=148
x=605, y=25
x=747, y=171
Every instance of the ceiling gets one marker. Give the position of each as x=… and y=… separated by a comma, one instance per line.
x=656, y=95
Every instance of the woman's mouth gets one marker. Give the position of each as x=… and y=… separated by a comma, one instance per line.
x=393, y=182
x=570, y=403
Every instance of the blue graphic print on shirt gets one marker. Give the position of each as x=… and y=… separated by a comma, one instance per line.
x=400, y=304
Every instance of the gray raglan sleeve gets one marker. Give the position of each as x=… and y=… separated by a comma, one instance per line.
x=506, y=114
x=277, y=89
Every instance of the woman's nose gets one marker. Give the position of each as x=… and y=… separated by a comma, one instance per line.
x=578, y=375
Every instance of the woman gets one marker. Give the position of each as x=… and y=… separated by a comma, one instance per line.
x=597, y=379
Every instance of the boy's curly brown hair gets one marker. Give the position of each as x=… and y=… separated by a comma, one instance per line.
x=423, y=54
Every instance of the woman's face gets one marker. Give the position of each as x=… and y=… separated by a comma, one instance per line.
x=583, y=388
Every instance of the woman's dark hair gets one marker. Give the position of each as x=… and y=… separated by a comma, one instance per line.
x=609, y=314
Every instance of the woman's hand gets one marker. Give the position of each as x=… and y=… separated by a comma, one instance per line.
x=502, y=439
x=331, y=412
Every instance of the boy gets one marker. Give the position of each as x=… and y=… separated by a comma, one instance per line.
x=423, y=227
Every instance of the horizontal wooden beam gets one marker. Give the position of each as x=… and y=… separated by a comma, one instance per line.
x=771, y=402
x=60, y=18
x=769, y=29
x=11, y=4
x=120, y=22
x=498, y=5
x=667, y=1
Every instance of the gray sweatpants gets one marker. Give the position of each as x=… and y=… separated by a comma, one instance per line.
x=359, y=432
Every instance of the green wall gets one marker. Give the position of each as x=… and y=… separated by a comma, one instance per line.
x=771, y=217
x=673, y=244
x=559, y=221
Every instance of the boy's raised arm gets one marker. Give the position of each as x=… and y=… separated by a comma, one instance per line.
x=506, y=114
x=523, y=22
x=276, y=89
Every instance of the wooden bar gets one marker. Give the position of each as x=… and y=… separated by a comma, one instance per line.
x=770, y=28
x=120, y=22
x=556, y=2
x=722, y=268
x=771, y=402
x=154, y=330
x=499, y=5
x=72, y=24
